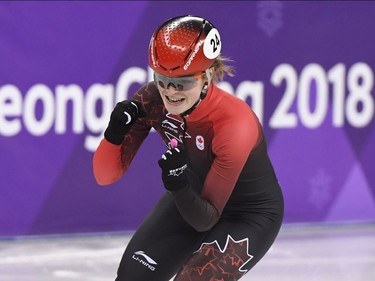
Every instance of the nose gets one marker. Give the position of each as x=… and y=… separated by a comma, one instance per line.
x=171, y=89
x=172, y=85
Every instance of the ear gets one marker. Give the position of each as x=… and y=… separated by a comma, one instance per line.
x=211, y=75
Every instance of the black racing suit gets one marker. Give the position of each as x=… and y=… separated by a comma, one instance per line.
x=229, y=215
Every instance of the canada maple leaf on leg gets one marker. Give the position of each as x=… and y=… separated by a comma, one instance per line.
x=212, y=263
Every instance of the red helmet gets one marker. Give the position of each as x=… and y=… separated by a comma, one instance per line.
x=183, y=46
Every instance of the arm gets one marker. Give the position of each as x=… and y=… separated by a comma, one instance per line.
x=193, y=208
x=122, y=139
x=196, y=210
x=232, y=146
x=107, y=166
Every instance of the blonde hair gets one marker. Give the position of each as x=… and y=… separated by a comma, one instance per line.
x=221, y=68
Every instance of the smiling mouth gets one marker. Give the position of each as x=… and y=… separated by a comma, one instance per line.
x=174, y=100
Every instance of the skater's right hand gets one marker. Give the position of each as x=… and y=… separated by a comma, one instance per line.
x=122, y=118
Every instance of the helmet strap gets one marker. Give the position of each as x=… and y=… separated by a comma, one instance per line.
x=201, y=96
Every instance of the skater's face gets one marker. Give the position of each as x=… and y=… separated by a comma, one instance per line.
x=179, y=93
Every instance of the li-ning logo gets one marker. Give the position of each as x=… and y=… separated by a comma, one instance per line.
x=174, y=126
x=170, y=126
x=149, y=263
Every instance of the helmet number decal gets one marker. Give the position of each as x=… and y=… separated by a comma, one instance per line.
x=212, y=44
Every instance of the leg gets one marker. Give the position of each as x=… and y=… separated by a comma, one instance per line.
x=229, y=251
x=160, y=246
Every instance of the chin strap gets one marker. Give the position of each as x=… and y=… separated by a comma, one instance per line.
x=201, y=96
x=195, y=105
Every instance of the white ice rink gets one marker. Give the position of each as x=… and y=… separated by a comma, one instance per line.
x=308, y=253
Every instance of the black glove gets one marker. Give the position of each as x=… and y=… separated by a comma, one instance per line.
x=173, y=164
x=122, y=118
